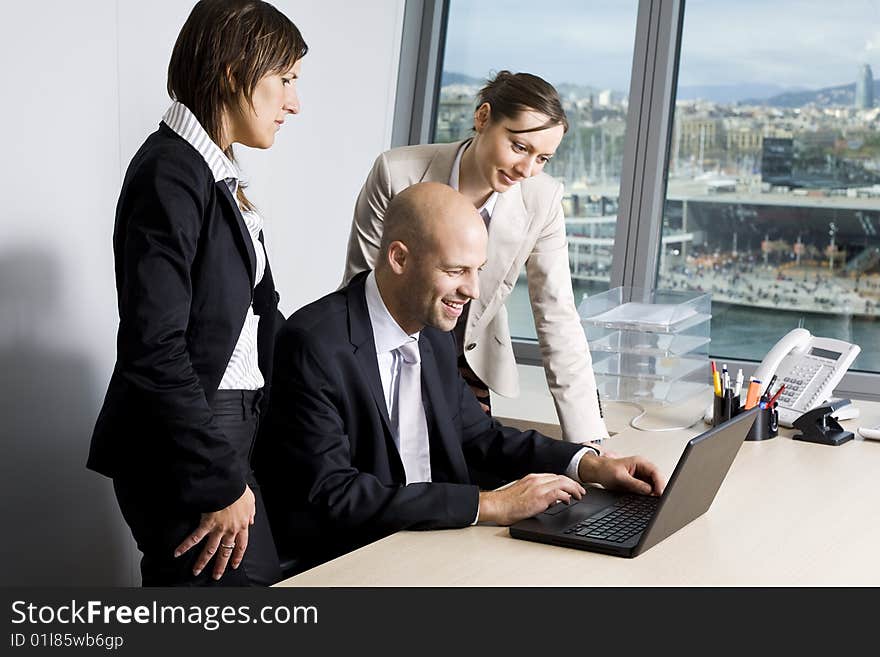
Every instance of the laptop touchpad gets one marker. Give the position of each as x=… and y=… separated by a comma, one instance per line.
x=559, y=507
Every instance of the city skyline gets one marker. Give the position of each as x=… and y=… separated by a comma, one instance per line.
x=823, y=44
x=719, y=94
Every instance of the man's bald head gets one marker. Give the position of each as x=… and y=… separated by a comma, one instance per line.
x=433, y=245
x=424, y=215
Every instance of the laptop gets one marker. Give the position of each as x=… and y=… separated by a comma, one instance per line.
x=624, y=524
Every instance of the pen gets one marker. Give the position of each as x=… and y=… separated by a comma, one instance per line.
x=716, y=381
x=739, y=383
x=775, y=396
x=770, y=385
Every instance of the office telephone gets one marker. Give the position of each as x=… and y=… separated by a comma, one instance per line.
x=809, y=366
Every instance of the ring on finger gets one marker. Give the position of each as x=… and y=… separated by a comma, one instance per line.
x=227, y=547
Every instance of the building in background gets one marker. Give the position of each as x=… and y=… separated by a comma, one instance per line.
x=777, y=161
x=865, y=87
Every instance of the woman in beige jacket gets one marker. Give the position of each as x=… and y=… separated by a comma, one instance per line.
x=518, y=125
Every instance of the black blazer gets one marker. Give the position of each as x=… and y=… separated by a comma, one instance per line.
x=185, y=270
x=330, y=474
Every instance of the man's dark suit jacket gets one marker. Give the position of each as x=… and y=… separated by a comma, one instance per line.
x=185, y=270
x=328, y=467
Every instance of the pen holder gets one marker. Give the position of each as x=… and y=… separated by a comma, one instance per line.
x=766, y=421
x=766, y=424
x=724, y=407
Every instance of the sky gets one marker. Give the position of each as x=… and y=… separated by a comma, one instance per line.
x=790, y=43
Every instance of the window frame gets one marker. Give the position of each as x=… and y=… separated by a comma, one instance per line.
x=418, y=80
x=653, y=84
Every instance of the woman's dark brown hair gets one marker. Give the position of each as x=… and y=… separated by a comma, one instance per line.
x=223, y=50
x=508, y=94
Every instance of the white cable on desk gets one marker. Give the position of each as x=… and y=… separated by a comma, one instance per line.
x=644, y=411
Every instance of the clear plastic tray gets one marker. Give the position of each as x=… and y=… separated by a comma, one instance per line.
x=624, y=389
x=648, y=344
x=655, y=368
x=638, y=309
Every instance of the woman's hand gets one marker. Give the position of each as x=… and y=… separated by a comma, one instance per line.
x=226, y=532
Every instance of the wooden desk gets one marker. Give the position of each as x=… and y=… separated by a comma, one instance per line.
x=788, y=513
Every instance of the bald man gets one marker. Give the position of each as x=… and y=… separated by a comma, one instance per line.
x=371, y=428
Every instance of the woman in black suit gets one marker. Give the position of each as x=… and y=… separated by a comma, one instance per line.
x=197, y=306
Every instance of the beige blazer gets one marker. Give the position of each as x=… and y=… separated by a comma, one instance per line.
x=528, y=228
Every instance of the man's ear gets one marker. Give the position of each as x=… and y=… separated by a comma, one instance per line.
x=398, y=256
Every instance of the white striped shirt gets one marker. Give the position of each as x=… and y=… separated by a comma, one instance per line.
x=243, y=370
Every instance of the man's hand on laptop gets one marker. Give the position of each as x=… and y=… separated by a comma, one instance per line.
x=526, y=497
x=630, y=473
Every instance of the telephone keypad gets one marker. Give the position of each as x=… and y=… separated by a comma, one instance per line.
x=799, y=378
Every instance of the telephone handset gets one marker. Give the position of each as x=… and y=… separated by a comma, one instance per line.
x=810, y=367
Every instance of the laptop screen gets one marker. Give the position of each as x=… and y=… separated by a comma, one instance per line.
x=697, y=477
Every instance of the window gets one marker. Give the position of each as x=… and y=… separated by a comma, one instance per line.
x=760, y=182
x=585, y=49
x=773, y=194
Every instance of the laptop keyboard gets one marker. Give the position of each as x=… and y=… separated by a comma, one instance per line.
x=618, y=522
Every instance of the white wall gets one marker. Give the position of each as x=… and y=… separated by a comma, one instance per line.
x=84, y=83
